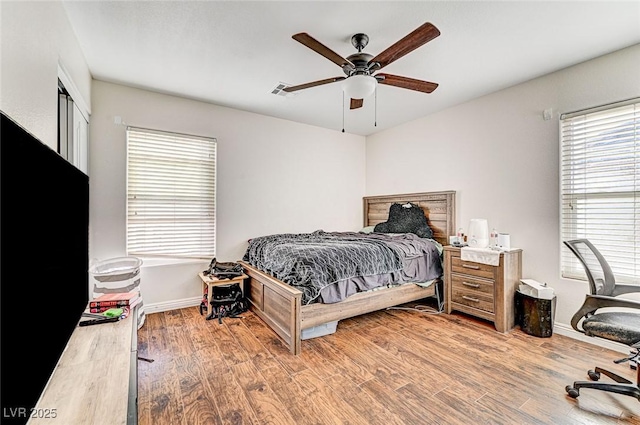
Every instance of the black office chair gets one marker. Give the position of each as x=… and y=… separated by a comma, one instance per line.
x=618, y=326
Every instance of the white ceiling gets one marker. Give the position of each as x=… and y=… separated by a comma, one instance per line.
x=234, y=53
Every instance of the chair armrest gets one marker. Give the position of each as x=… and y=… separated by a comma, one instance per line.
x=594, y=302
x=620, y=289
x=604, y=301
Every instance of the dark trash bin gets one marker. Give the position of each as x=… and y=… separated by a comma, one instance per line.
x=535, y=316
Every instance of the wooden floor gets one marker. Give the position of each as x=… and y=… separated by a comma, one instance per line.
x=387, y=367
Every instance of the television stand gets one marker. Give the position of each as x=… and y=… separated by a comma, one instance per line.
x=95, y=381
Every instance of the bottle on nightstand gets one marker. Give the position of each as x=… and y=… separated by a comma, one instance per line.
x=493, y=241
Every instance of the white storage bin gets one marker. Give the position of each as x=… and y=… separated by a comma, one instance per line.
x=121, y=274
x=320, y=330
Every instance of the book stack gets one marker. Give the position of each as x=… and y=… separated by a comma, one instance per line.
x=116, y=300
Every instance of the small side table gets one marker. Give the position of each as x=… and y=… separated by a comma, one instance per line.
x=209, y=281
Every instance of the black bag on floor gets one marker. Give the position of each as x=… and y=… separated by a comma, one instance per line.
x=227, y=301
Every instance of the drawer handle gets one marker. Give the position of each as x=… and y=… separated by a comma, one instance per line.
x=475, y=300
x=471, y=285
x=469, y=266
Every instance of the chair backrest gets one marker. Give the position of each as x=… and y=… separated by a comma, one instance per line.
x=599, y=274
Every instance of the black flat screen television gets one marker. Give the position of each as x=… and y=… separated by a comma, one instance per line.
x=44, y=261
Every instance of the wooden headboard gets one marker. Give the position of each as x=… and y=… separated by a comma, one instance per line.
x=438, y=207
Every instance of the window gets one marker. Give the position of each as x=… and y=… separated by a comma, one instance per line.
x=171, y=194
x=600, y=180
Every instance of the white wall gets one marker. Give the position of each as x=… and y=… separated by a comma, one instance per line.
x=502, y=158
x=497, y=152
x=273, y=176
x=36, y=37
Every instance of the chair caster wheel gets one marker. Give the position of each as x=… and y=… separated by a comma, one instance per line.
x=594, y=376
x=572, y=392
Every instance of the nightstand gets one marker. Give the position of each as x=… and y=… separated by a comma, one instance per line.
x=209, y=281
x=482, y=290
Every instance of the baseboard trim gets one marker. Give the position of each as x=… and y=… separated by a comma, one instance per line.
x=567, y=330
x=171, y=305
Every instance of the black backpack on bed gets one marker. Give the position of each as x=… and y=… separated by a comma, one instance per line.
x=406, y=218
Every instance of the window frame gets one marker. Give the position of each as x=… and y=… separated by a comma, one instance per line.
x=597, y=209
x=172, y=197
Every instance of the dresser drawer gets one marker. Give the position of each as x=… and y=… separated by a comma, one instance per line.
x=476, y=293
x=474, y=269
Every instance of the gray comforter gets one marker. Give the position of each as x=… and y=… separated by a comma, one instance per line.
x=314, y=262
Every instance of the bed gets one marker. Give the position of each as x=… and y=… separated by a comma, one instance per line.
x=281, y=306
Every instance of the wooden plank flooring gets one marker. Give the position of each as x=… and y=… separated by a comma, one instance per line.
x=388, y=367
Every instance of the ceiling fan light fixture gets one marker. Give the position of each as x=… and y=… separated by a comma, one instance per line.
x=359, y=86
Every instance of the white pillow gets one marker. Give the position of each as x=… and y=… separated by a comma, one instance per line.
x=368, y=229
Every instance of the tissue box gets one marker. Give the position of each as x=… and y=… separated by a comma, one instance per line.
x=536, y=289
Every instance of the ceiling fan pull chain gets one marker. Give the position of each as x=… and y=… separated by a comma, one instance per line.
x=375, y=107
x=343, y=111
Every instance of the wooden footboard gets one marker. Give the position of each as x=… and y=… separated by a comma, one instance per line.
x=279, y=305
x=275, y=302
x=362, y=303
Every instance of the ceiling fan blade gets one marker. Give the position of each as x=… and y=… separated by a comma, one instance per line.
x=318, y=47
x=312, y=84
x=406, y=83
x=421, y=35
x=356, y=103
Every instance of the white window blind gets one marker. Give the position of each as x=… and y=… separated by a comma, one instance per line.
x=600, y=162
x=171, y=194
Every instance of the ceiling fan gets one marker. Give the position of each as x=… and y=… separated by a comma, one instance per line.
x=359, y=68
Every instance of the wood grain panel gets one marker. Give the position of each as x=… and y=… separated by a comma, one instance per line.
x=476, y=300
x=399, y=405
x=369, y=356
x=303, y=403
x=271, y=341
x=372, y=409
x=341, y=364
x=505, y=278
x=471, y=268
x=439, y=208
x=267, y=406
x=362, y=302
x=472, y=286
x=397, y=366
x=232, y=404
x=506, y=286
x=224, y=339
x=144, y=378
x=256, y=292
x=90, y=383
x=165, y=404
x=330, y=400
x=258, y=354
x=199, y=406
x=277, y=307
